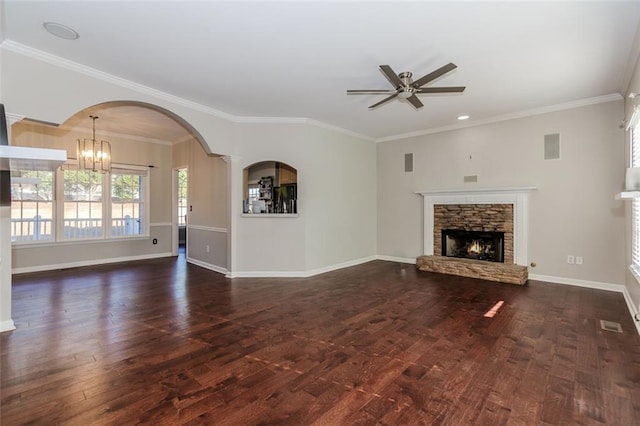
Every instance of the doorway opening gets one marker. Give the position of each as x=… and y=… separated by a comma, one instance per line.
x=182, y=178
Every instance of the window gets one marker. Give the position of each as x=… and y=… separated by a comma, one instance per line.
x=127, y=204
x=635, y=206
x=182, y=197
x=79, y=204
x=82, y=214
x=32, y=206
x=254, y=193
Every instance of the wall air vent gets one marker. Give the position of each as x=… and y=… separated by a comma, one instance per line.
x=552, y=146
x=408, y=163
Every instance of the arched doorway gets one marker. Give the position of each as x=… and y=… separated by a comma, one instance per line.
x=137, y=218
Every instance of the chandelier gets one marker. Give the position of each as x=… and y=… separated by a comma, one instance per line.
x=93, y=154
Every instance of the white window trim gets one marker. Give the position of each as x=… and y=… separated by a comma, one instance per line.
x=60, y=219
x=633, y=129
x=146, y=217
x=53, y=222
x=58, y=211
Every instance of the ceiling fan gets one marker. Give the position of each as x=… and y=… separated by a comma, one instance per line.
x=406, y=88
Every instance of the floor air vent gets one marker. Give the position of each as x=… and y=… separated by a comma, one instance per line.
x=611, y=326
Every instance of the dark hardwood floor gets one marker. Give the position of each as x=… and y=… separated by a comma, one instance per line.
x=162, y=342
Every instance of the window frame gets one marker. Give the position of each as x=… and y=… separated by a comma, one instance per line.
x=58, y=208
x=634, y=161
x=61, y=218
x=53, y=225
x=144, y=213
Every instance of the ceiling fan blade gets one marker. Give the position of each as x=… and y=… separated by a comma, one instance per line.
x=415, y=101
x=372, y=92
x=383, y=101
x=454, y=89
x=391, y=76
x=432, y=76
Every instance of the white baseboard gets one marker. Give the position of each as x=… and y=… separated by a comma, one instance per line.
x=7, y=326
x=92, y=262
x=578, y=283
x=337, y=266
x=266, y=274
x=619, y=288
x=412, y=261
x=632, y=309
x=209, y=266
x=299, y=274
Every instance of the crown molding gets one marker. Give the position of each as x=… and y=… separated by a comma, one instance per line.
x=115, y=135
x=13, y=118
x=270, y=120
x=302, y=120
x=22, y=49
x=40, y=55
x=511, y=116
x=231, y=158
x=30, y=52
x=104, y=133
x=323, y=125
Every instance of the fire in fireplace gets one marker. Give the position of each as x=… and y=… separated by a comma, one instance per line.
x=481, y=245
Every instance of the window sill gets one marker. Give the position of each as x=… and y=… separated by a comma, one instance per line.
x=34, y=244
x=627, y=195
x=279, y=215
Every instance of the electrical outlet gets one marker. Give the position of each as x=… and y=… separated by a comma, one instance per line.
x=578, y=260
x=208, y=248
x=571, y=260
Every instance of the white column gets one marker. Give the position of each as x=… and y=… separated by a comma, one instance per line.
x=6, y=322
x=234, y=209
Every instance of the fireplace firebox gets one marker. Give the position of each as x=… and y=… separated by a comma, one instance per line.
x=480, y=245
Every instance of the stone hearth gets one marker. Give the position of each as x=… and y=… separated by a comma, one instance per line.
x=510, y=274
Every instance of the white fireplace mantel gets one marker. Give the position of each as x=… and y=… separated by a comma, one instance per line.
x=518, y=196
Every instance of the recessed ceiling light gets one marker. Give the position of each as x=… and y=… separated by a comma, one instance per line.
x=463, y=117
x=61, y=31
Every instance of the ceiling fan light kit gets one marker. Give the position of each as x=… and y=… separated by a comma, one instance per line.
x=406, y=88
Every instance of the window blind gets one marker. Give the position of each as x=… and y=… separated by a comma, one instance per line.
x=635, y=206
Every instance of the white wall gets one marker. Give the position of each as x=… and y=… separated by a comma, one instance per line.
x=47, y=256
x=340, y=198
x=207, y=221
x=336, y=201
x=572, y=212
x=52, y=93
x=336, y=173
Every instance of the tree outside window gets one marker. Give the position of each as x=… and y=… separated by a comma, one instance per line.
x=32, y=205
x=127, y=204
x=82, y=216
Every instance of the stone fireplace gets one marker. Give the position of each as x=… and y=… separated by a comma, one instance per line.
x=475, y=218
x=479, y=233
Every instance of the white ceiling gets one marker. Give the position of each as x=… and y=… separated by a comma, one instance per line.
x=297, y=59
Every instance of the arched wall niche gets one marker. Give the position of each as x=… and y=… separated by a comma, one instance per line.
x=270, y=187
